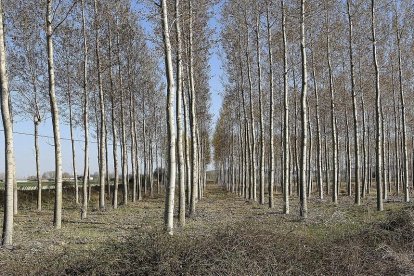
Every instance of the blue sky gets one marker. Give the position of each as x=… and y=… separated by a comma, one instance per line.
x=24, y=145
x=216, y=81
x=216, y=86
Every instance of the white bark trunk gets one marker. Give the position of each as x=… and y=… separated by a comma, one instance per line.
x=303, y=198
x=114, y=125
x=404, y=128
x=124, y=159
x=252, y=133
x=7, y=235
x=318, y=130
x=262, y=144
x=333, y=119
x=37, y=153
x=271, y=123
x=179, y=71
x=84, y=210
x=169, y=202
x=187, y=147
x=57, y=220
x=102, y=118
x=354, y=107
x=286, y=165
x=75, y=177
x=193, y=118
x=378, y=174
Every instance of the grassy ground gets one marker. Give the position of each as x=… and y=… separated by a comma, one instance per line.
x=227, y=236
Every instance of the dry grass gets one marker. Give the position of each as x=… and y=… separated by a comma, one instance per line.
x=228, y=236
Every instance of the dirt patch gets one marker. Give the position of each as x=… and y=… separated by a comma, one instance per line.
x=228, y=236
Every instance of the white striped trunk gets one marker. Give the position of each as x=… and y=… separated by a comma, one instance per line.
x=303, y=195
x=7, y=235
x=57, y=219
x=169, y=202
x=85, y=117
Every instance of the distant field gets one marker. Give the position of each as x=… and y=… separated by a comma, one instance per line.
x=46, y=185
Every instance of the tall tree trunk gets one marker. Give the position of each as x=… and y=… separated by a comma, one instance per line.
x=144, y=140
x=369, y=158
x=384, y=171
x=187, y=145
x=262, y=144
x=132, y=132
x=150, y=168
x=72, y=140
x=123, y=131
x=295, y=146
x=309, y=160
x=241, y=151
x=114, y=127
x=102, y=119
x=252, y=134
x=200, y=165
x=396, y=140
x=399, y=161
x=388, y=157
x=282, y=154
x=333, y=118
x=354, y=108
x=156, y=167
x=378, y=173
x=15, y=192
x=169, y=201
x=286, y=165
x=239, y=155
x=179, y=71
x=271, y=114
x=303, y=198
x=327, y=168
x=137, y=161
x=318, y=129
x=364, y=147
x=57, y=219
x=37, y=153
x=69, y=95
x=193, y=118
x=232, y=164
x=108, y=180
x=247, y=148
x=85, y=117
x=247, y=153
x=338, y=158
x=402, y=103
x=348, y=155
x=412, y=161
x=98, y=139
x=7, y=235
x=133, y=152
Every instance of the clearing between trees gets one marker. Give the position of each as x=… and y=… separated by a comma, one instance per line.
x=227, y=236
